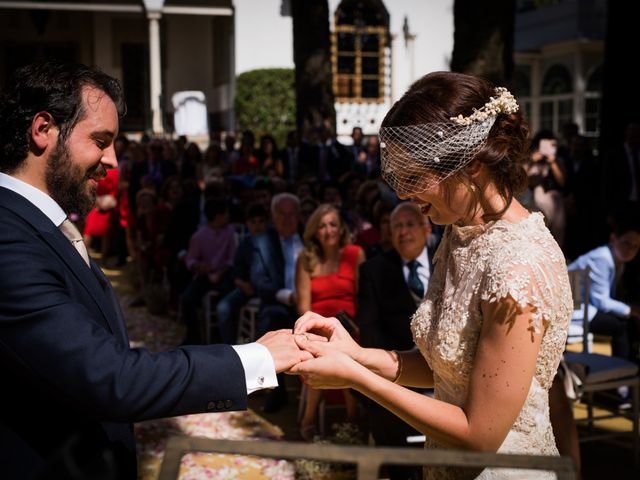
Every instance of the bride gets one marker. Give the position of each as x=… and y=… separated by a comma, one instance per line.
x=492, y=328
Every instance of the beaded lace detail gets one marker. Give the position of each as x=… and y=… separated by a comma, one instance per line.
x=490, y=262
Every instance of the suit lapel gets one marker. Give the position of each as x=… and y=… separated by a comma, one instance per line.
x=115, y=319
x=396, y=277
x=85, y=276
x=51, y=235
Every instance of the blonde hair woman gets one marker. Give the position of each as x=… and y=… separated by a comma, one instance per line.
x=326, y=282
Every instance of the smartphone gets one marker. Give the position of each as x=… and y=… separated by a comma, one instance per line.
x=548, y=147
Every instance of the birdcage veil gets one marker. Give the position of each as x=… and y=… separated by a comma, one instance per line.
x=415, y=158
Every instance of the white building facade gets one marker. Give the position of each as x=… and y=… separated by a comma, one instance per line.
x=379, y=48
x=157, y=48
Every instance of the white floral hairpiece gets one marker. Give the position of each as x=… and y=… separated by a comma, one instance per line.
x=503, y=102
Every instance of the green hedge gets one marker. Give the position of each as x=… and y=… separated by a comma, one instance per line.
x=265, y=102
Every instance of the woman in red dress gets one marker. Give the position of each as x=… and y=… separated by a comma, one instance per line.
x=326, y=283
x=100, y=220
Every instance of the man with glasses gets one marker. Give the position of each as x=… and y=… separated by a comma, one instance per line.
x=391, y=286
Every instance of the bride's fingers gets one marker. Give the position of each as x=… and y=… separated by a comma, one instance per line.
x=312, y=321
x=302, y=324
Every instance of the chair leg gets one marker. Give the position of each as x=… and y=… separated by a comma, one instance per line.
x=322, y=408
x=590, y=412
x=207, y=317
x=635, y=398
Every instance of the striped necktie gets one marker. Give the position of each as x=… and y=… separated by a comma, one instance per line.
x=71, y=232
x=414, y=282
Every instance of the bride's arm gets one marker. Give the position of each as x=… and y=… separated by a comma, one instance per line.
x=500, y=380
x=408, y=368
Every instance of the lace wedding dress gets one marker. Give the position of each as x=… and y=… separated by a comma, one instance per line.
x=490, y=262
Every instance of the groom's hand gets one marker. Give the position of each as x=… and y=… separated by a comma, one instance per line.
x=284, y=349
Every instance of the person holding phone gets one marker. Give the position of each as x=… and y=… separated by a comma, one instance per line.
x=547, y=178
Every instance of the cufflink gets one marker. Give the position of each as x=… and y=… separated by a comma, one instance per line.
x=260, y=380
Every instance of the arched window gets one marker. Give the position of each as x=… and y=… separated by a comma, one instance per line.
x=358, y=42
x=556, y=102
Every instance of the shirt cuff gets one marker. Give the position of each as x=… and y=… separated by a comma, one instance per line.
x=284, y=296
x=259, y=368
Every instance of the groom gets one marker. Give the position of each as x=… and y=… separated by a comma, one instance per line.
x=71, y=385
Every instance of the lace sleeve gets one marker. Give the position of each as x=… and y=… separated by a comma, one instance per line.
x=532, y=276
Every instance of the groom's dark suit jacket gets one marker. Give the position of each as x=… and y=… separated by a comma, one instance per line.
x=68, y=374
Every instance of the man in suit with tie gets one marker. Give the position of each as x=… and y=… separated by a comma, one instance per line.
x=391, y=286
x=72, y=386
x=273, y=267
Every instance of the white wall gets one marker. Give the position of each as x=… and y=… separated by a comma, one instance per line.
x=264, y=38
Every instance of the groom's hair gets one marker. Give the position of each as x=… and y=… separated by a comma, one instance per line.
x=48, y=86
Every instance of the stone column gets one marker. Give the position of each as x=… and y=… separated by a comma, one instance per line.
x=155, y=72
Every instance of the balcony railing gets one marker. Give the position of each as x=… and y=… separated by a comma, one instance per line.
x=367, y=459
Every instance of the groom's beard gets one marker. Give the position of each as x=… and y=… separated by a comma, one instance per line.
x=68, y=185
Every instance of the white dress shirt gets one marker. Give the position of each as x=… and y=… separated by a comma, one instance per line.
x=602, y=273
x=258, y=364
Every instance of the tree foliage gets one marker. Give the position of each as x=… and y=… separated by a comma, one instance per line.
x=265, y=102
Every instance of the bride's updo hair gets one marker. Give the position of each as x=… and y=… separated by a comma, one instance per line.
x=438, y=96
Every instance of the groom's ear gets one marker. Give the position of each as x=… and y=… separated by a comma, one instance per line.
x=43, y=132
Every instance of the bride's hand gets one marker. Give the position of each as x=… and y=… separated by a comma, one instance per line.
x=330, y=328
x=330, y=369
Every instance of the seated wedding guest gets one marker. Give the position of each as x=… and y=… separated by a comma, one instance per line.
x=273, y=266
x=146, y=236
x=391, y=286
x=229, y=307
x=326, y=283
x=608, y=315
x=209, y=259
x=493, y=325
x=183, y=223
x=100, y=222
x=307, y=207
x=304, y=190
x=269, y=159
x=377, y=238
x=72, y=385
